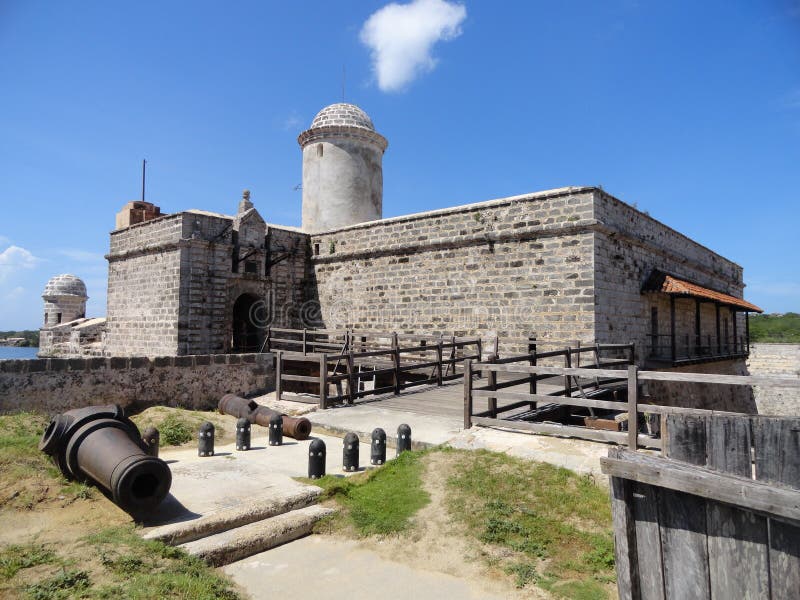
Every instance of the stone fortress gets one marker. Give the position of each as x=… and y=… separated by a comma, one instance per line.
x=568, y=265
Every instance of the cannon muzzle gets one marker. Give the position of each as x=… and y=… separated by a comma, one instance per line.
x=100, y=444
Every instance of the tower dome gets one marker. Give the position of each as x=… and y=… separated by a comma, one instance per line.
x=342, y=169
x=347, y=115
x=64, y=299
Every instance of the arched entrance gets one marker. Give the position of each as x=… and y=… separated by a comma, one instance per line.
x=247, y=334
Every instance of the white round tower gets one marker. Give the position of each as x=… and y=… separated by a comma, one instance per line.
x=64, y=300
x=342, y=169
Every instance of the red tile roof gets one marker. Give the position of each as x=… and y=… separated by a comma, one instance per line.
x=669, y=284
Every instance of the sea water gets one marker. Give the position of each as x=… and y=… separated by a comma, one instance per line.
x=14, y=352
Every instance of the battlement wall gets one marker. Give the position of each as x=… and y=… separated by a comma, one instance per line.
x=198, y=382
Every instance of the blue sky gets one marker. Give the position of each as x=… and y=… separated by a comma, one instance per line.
x=690, y=110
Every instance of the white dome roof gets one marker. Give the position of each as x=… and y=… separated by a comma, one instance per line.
x=65, y=285
x=342, y=115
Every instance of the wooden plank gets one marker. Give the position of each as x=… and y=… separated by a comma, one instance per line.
x=633, y=399
x=554, y=429
x=683, y=545
x=564, y=371
x=737, y=552
x=728, y=445
x=776, y=444
x=624, y=539
x=723, y=487
x=278, y=373
x=304, y=378
x=726, y=379
x=686, y=439
x=609, y=404
x=323, y=381
x=777, y=448
x=644, y=504
x=467, y=394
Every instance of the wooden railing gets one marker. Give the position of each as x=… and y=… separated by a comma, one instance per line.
x=633, y=378
x=717, y=515
x=348, y=359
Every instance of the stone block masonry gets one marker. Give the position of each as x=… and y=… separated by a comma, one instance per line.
x=197, y=382
x=506, y=268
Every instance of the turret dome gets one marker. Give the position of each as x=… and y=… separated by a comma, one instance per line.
x=65, y=285
x=342, y=115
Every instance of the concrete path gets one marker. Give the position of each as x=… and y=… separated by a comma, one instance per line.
x=323, y=568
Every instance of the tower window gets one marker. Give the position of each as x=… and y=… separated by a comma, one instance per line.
x=58, y=318
x=45, y=318
x=319, y=150
x=316, y=249
x=251, y=266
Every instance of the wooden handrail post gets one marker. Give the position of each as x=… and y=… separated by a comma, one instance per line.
x=633, y=411
x=479, y=343
x=467, y=394
x=491, y=382
x=352, y=380
x=533, y=360
x=439, y=351
x=323, y=381
x=278, y=374
x=567, y=364
x=304, y=341
x=396, y=360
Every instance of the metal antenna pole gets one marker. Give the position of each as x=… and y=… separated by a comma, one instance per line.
x=144, y=170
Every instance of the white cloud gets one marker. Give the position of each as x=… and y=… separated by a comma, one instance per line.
x=14, y=259
x=401, y=37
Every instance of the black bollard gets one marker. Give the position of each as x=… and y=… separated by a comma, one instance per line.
x=316, y=459
x=275, y=430
x=151, y=439
x=378, y=452
x=350, y=455
x=242, y=434
x=205, y=439
x=403, y=438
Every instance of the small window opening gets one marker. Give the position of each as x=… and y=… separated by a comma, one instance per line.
x=45, y=318
x=319, y=150
x=316, y=249
x=58, y=318
x=251, y=266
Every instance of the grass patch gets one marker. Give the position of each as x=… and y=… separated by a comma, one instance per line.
x=140, y=569
x=556, y=524
x=177, y=426
x=17, y=557
x=381, y=501
x=66, y=584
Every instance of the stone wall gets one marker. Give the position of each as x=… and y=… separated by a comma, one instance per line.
x=508, y=268
x=629, y=245
x=776, y=360
x=144, y=270
x=173, y=282
x=198, y=382
x=709, y=396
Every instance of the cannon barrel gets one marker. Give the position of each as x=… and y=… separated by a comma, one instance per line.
x=100, y=444
x=298, y=428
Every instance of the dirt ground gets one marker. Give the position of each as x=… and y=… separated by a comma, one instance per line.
x=436, y=543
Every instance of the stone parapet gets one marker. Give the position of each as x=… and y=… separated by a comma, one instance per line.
x=198, y=382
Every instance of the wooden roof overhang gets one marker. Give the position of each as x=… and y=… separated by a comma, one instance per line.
x=662, y=282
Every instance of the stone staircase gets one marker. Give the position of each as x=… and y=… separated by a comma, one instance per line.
x=228, y=535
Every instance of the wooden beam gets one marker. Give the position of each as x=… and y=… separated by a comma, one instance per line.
x=714, y=485
x=673, y=349
x=633, y=414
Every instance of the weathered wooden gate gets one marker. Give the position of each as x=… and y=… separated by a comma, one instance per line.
x=716, y=516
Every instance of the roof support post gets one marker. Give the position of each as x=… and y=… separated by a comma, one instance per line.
x=719, y=337
x=672, y=326
x=697, y=340
x=735, y=334
x=747, y=329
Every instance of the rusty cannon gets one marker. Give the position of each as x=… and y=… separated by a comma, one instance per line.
x=100, y=444
x=298, y=428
